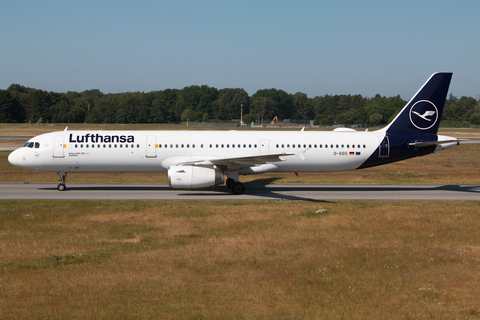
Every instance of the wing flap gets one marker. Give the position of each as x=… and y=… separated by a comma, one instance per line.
x=238, y=162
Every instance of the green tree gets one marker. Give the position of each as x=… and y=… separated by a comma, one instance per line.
x=262, y=108
x=10, y=108
x=280, y=103
x=303, y=106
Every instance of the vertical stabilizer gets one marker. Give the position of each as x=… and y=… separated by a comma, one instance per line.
x=422, y=114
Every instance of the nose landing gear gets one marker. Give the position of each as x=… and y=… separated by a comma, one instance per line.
x=61, y=186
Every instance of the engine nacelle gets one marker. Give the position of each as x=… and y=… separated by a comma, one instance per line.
x=189, y=177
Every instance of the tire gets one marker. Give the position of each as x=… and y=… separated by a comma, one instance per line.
x=230, y=182
x=238, y=188
x=61, y=187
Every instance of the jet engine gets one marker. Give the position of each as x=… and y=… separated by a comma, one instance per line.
x=190, y=177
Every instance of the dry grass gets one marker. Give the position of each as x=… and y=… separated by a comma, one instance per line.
x=247, y=260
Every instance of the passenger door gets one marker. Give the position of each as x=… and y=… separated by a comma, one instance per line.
x=151, y=147
x=58, y=147
x=384, y=148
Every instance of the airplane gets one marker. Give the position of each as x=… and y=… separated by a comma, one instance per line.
x=199, y=159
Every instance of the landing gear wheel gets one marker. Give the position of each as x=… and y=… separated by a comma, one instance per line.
x=63, y=176
x=238, y=188
x=230, y=182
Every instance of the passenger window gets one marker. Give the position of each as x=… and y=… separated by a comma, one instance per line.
x=109, y=145
x=76, y=146
x=326, y=146
x=364, y=146
x=81, y=146
x=138, y=146
x=210, y=146
x=293, y=146
x=249, y=145
x=93, y=146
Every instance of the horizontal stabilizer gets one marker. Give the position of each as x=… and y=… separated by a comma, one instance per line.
x=433, y=143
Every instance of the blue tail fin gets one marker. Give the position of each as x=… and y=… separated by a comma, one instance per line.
x=422, y=114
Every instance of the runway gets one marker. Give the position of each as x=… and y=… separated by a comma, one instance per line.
x=253, y=192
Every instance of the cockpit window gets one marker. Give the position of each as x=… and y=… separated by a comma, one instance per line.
x=32, y=145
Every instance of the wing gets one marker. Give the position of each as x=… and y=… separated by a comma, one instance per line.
x=240, y=162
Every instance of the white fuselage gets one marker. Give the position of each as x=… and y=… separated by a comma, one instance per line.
x=156, y=151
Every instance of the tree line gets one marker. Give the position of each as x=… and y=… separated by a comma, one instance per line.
x=19, y=104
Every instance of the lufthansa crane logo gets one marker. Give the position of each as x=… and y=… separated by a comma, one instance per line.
x=423, y=114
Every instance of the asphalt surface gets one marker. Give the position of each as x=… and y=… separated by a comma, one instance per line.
x=253, y=192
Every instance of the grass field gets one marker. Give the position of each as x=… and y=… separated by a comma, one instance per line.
x=239, y=260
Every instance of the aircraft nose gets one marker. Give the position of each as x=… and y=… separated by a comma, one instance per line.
x=14, y=158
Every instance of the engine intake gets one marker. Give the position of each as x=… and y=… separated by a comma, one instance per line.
x=190, y=177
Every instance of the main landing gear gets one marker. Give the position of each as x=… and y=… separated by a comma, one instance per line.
x=61, y=186
x=236, y=186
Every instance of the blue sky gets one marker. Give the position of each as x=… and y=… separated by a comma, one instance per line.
x=315, y=47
